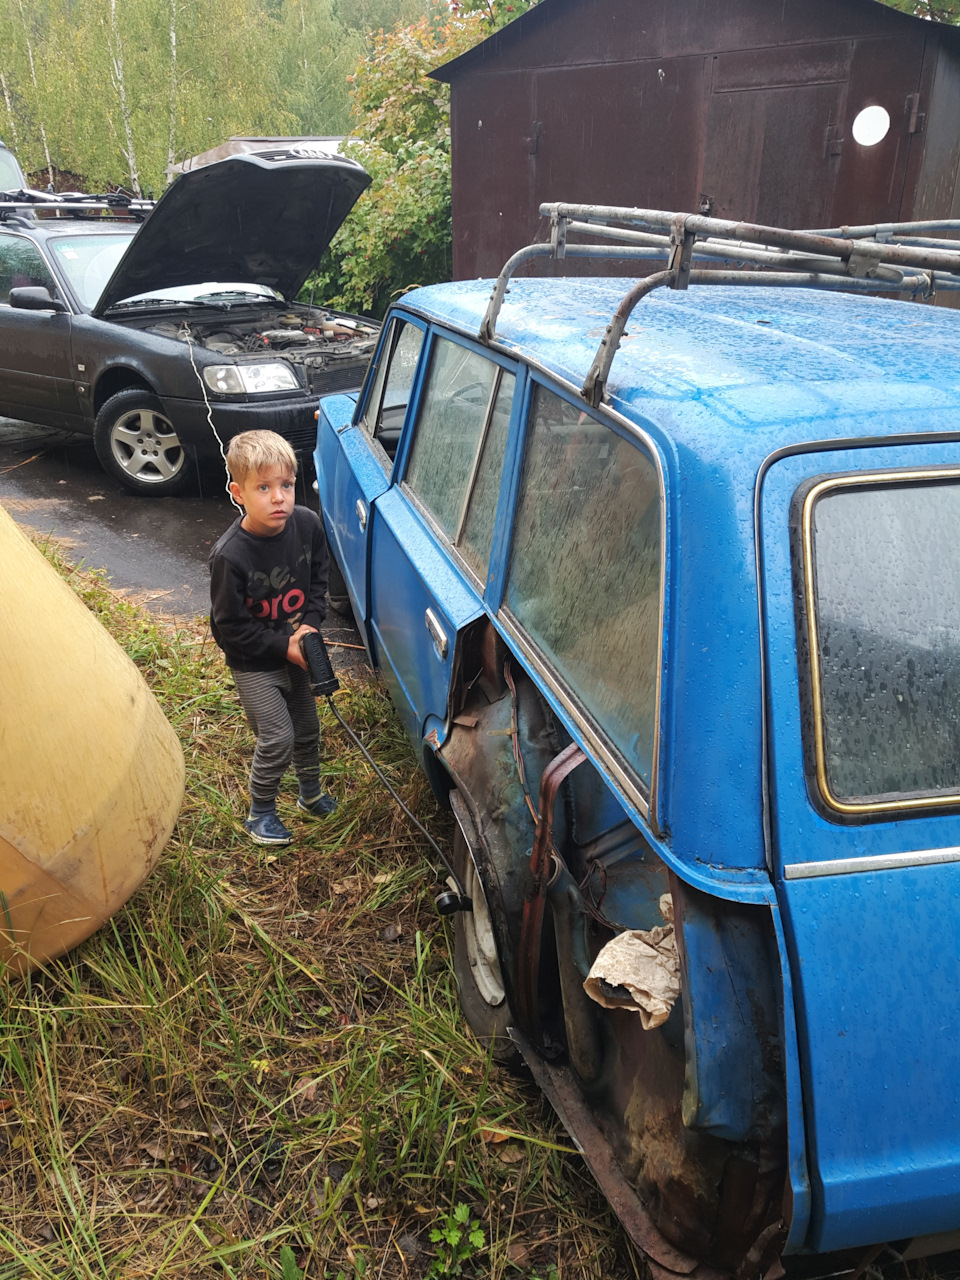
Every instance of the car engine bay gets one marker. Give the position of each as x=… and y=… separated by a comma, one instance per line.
x=324, y=343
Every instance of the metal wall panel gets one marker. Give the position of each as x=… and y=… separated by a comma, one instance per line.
x=745, y=105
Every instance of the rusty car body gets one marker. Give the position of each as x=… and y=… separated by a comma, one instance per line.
x=663, y=582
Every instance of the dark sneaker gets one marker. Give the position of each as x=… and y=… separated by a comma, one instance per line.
x=267, y=829
x=318, y=807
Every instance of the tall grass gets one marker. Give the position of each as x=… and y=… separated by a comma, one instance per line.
x=239, y=1075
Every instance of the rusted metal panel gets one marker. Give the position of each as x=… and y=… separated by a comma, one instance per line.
x=747, y=105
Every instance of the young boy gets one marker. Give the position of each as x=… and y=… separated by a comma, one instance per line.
x=268, y=576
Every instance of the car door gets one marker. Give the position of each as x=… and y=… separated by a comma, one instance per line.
x=862, y=617
x=355, y=456
x=432, y=531
x=36, y=381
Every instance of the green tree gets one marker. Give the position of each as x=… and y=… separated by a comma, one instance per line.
x=399, y=235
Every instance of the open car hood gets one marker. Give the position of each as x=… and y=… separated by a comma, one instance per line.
x=256, y=219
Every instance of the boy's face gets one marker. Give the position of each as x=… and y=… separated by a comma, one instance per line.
x=267, y=498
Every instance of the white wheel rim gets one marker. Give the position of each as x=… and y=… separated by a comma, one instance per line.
x=146, y=446
x=478, y=936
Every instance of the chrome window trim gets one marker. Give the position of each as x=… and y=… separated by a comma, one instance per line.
x=441, y=535
x=524, y=361
x=478, y=454
x=861, y=480
x=798, y=450
x=625, y=777
x=876, y=862
x=648, y=805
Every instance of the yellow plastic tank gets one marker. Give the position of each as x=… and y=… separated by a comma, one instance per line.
x=91, y=773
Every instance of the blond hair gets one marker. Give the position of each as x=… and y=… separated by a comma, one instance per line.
x=256, y=451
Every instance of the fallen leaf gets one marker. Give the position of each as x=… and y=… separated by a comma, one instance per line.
x=392, y=932
x=492, y=1135
x=518, y=1253
x=95, y=497
x=156, y=1149
x=5, y=1104
x=383, y=877
x=184, y=1104
x=512, y=1154
x=48, y=1232
x=307, y=1089
x=372, y=1202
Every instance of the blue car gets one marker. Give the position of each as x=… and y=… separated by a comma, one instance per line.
x=663, y=579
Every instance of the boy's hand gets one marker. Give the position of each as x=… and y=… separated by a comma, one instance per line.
x=294, y=652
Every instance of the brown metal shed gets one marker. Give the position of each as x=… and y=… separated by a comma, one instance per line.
x=740, y=108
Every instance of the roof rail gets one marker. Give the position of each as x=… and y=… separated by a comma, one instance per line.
x=888, y=258
x=74, y=204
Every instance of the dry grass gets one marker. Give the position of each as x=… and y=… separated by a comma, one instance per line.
x=258, y=1067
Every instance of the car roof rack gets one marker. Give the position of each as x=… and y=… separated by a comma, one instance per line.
x=74, y=204
x=895, y=257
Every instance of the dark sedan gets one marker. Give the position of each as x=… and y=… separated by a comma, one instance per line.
x=164, y=332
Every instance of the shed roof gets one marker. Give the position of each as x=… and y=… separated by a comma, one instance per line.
x=530, y=23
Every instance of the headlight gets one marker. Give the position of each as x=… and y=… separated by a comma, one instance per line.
x=237, y=379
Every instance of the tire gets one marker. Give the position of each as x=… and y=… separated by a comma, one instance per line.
x=137, y=444
x=477, y=966
x=337, y=592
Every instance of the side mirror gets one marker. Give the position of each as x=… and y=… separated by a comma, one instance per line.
x=35, y=298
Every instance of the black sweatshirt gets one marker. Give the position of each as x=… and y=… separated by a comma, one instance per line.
x=262, y=588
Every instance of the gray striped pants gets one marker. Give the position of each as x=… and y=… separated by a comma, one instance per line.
x=283, y=714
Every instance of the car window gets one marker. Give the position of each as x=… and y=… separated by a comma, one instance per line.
x=583, y=579
x=10, y=176
x=21, y=265
x=89, y=261
x=884, y=579
x=392, y=384
x=453, y=408
x=476, y=534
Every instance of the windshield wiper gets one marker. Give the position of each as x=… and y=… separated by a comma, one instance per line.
x=148, y=302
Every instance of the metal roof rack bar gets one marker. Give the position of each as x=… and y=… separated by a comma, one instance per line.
x=850, y=258
x=75, y=204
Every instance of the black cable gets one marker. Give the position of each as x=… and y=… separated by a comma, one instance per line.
x=416, y=822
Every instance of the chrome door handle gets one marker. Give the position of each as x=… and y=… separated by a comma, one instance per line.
x=361, y=514
x=437, y=634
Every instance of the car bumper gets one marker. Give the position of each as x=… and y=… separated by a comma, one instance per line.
x=293, y=419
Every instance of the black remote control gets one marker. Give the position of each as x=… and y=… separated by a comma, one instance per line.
x=323, y=682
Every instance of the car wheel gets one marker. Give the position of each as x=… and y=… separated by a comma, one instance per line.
x=337, y=591
x=136, y=442
x=477, y=965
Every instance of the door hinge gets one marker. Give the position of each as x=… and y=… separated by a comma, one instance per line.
x=915, y=117
x=832, y=141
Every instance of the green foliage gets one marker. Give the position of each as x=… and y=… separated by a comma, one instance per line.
x=399, y=236
x=458, y=1239
x=933, y=10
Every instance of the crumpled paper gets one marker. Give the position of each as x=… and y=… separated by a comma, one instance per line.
x=639, y=971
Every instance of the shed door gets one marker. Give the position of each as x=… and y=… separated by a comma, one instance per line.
x=780, y=148
x=866, y=825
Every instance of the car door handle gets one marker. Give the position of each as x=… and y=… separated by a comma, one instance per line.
x=437, y=634
x=361, y=514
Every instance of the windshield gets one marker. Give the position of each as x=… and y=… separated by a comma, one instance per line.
x=88, y=262
x=11, y=178
x=886, y=651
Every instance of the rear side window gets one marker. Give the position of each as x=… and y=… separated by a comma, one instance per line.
x=392, y=384
x=584, y=573
x=882, y=614
x=456, y=459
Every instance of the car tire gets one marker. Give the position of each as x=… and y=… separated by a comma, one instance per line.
x=137, y=444
x=477, y=966
x=337, y=591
